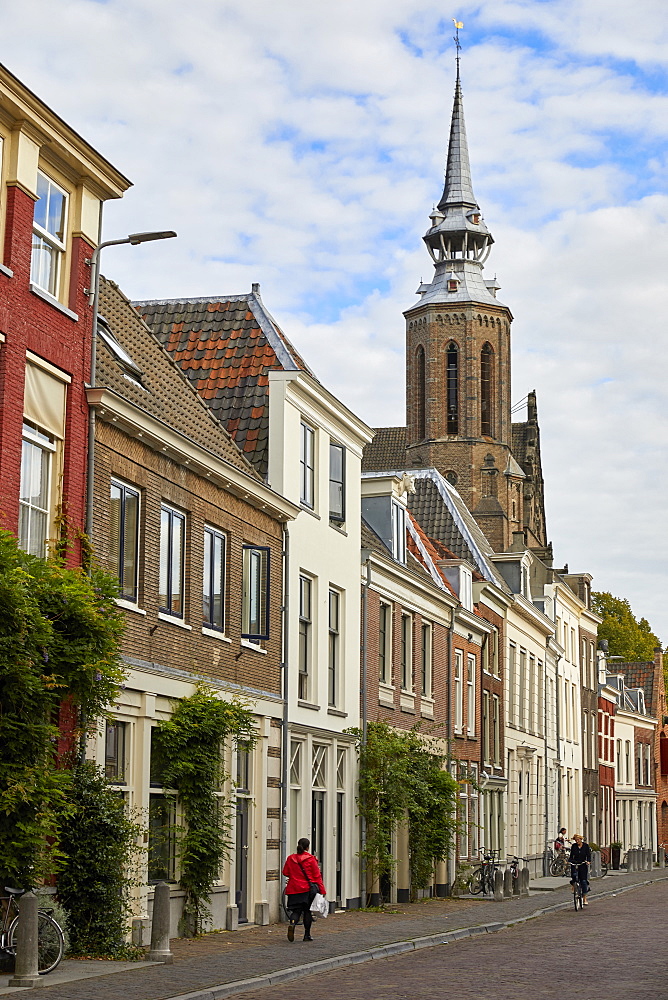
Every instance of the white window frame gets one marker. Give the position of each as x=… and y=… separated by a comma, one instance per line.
x=471, y=667
x=406, y=659
x=131, y=595
x=459, y=691
x=52, y=243
x=36, y=439
x=337, y=516
x=426, y=652
x=398, y=532
x=305, y=647
x=307, y=443
x=334, y=609
x=256, y=565
x=385, y=643
x=214, y=534
x=174, y=515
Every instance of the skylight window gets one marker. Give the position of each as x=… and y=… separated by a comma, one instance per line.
x=124, y=360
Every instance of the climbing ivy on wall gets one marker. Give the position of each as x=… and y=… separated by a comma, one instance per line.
x=188, y=753
x=402, y=780
x=59, y=643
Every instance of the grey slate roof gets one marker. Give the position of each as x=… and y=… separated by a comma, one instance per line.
x=458, y=188
x=386, y=451
x=164, y=391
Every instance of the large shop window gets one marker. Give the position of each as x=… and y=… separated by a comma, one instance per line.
x=255, y=609
x=48, y=238
x=124, y=538
x=172, y=561
x=213, y=590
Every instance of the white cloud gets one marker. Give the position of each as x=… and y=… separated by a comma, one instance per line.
x=302, y=145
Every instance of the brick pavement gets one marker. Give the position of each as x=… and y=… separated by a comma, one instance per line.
x=228, y=957
x=613, y=950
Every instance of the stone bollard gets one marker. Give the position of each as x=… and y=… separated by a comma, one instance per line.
x=524, y=881
x=517, y=882
x=498, y=886
x=159, y=951
x=26, y=968
x=507, y=883
x=648, y=860
x=595, y=864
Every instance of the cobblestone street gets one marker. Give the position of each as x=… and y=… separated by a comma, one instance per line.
x=610, y=951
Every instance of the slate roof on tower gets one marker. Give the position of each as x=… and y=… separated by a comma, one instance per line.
x=226, y=346
x=134, y=366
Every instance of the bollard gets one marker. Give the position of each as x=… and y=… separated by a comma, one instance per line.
x=648, y=859
x=507, y=883
x=524, y=882
x=498, y=886
x=517, y=882
x=596, y=864
x=25, y=968
x=160, y=925
x=632, y=861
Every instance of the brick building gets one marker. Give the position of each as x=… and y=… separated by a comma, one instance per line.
x=195, y=538
x=52, y=187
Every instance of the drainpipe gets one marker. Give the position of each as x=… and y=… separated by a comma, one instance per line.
x=546, y=860
x=285, y=742
x=448, y=732
x=558, y=721
x=366, y=561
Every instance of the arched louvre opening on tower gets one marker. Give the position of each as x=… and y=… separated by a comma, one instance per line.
x=486, y=390
x=452, y=388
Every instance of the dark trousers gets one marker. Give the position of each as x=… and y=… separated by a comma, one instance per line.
x=581, y=872
x=299, y=905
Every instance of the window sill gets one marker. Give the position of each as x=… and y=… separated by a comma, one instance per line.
x=309, y=510
x=337, y=712
x=308, y=704
x=214, y=634
x=174, y=621
x=245, y=644
x=338, y=527
x=42, y=294
x=129, y=606
x=407, y=700
x=6, y=271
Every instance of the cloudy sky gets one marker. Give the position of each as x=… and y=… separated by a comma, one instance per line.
x=302, y=144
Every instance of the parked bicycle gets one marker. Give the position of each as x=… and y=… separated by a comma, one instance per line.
x=560, y=864
x=605, y=860
x=481, y=879
x=50, y=939
x=513, y=867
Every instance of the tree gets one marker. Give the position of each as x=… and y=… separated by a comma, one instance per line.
x=627, y=636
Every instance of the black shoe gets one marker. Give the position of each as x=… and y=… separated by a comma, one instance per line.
x=291, y=931
x=307, y=937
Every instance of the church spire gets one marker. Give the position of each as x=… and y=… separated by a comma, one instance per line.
x=458, y=240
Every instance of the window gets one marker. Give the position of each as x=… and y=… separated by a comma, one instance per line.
x=486, y=727
x=334, y=652
x=619, y=761
x=337, y=483
x=540, y=725
x=496, y=731
x=459, y=692
x=307, y=468
x=452, y=388
x=426, y=664
x=384, y=642
x=627, y=761
x=35, y=491
x=531, y=722
x=115, y=751
x=406, y=652
x=305, y=624
x=161, y=825
x=470, y=698
x=255, y=598
x=213, y=584
x=48, y=239
x=420, y=394
x=639, y=763
x=512, y=683
x=522, y=690
x=172, y=561
x=398, y=532
x=486, y=387
x=124, y=539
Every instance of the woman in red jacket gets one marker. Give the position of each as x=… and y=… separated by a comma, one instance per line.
x=301, y=869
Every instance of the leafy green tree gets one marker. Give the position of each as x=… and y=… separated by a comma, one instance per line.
x=627, y=636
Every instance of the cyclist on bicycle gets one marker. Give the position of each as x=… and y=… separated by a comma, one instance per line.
x=580, y=862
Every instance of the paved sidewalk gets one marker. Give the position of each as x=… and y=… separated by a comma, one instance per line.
x=231, y=958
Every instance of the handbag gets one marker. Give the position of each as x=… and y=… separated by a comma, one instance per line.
x=313, y=888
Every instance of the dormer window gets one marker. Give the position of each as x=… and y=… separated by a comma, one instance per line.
x=121, y=356
x=398, y=532
x=452, y=282
x=474, y=217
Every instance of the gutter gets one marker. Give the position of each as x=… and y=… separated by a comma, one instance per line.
x=285, y=741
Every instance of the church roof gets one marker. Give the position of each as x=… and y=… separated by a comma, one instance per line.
x=226, y=346
x=458, y=187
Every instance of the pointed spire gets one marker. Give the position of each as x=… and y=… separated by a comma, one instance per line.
x=458, y=189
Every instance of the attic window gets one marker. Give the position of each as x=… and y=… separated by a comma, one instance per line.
x=453, y=282
x=121, y=356
x=475, y=218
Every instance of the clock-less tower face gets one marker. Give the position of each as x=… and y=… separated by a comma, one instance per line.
x=458, y=359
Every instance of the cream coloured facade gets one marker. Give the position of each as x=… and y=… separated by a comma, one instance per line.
x=315, y=452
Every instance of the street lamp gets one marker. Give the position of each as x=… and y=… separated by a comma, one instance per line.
x=93, y=299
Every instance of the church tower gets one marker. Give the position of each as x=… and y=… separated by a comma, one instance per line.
x=458, y=404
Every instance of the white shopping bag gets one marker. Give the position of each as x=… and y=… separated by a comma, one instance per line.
x=319, y=906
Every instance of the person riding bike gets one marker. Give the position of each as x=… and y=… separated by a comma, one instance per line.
x=580, y=861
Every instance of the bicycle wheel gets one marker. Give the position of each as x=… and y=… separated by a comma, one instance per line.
x=604, y=868
x=576, y=893
x=50, y=942
x=556, y=867
x=476, y=882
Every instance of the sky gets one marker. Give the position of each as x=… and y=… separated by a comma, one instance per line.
x=302, y=145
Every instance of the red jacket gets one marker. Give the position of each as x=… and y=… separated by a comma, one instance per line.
x=296, y=881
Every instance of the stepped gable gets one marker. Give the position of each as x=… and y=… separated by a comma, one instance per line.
x=144, y=374
x=226, y=346
x=387, y=451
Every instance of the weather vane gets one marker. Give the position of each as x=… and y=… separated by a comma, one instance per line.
x=458, y=25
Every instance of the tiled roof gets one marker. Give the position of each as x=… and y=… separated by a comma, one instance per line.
x=227, y=346
x=638, y=675
x=166, y=393
x=387, y=451
x=429, y=550
x=414, y=565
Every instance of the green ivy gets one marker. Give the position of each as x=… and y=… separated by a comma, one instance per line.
x=99, y=842
x=402, y=780
x=59, y=641
x=188, y=750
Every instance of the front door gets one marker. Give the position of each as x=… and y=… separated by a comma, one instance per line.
x=242, y=845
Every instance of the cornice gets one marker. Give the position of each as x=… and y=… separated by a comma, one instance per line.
x=163, y=438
